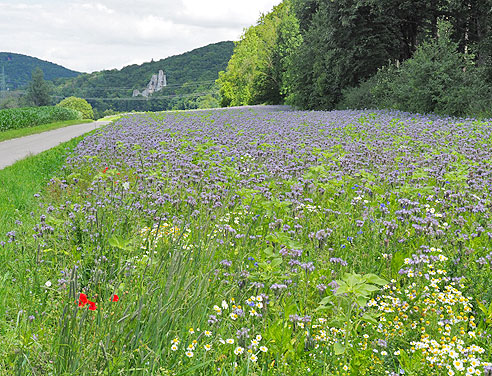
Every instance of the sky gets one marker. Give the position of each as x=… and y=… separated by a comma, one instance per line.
x=88, y=36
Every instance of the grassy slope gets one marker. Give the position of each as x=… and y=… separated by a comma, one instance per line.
x=15, y=133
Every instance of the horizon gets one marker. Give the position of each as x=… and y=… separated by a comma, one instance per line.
x=87, y=37
x=109, y=69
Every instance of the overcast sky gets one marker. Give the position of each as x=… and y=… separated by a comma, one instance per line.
x=87, y=35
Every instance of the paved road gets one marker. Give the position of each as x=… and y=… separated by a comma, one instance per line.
x=19, y=148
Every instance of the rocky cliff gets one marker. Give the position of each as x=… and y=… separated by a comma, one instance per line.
x=156, y=83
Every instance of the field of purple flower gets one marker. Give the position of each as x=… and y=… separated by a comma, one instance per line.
x=257, y=242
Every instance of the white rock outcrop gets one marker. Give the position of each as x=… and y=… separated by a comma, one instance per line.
x=156, y=83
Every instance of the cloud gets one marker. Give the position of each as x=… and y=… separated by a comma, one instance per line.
x=105, y=34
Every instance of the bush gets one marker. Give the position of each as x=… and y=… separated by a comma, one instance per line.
x=78, y=104
x=375, y=93
x=15, y=118
x=436, y=79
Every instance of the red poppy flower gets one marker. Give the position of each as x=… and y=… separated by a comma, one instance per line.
x=115, y=298
x=106, y=169
x=92, y=305
x=82, y=300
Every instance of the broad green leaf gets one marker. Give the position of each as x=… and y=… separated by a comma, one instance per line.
x=339, y=348
x=361, y=301
x=373, y=278
x=367, y=317
x=276, y=262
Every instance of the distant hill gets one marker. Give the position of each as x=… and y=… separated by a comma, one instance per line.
x=18, y=69
x=190, y=78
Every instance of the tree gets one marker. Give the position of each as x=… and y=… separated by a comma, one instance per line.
x=38, y=92
x=256, y=70
x=344, y=42
x=437, y=78
x=441, y=79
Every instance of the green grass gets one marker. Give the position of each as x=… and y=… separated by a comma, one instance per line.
x=189, y=273
x=15, y=133
x=111, y=117
x=25, y=178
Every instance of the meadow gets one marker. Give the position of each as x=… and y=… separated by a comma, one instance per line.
x=257, y=242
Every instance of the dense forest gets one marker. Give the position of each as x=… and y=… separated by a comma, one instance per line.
x=421, y=56
x=18, y=69
x=190, y=77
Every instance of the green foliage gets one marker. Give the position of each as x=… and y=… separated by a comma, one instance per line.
x=256, y=72
x=376, y=92
x=12, y=100
x=343, y=43
x=32, y=174
x=78, y=104
x=183, y=311
x=18, y=69
x=208, y=101
x=352, y=295
x=190, y=77
x=436, y=79
x=328, y=54
x=16, y=118
x=38, y=91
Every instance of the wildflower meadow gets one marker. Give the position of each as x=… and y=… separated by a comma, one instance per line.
x=257, y=242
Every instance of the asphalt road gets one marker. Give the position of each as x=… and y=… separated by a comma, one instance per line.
x=19, y=148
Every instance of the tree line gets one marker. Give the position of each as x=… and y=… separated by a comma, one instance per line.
x=421, y=56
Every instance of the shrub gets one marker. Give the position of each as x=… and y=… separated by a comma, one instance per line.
x=15, y=118
x=438, y=78
x=78, y=104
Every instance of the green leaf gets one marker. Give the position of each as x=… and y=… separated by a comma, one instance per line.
x=352, y=279
x=344, y=289
x=120, y=243
x=268, y=252
x=366, y=289
x=374, y=279
x=339, y=348
x=367, y=317
x=276, y=262
x=361, y=301
x=482, y=307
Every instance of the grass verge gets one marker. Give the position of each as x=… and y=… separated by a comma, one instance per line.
x=25, y=178
x=15, y=133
